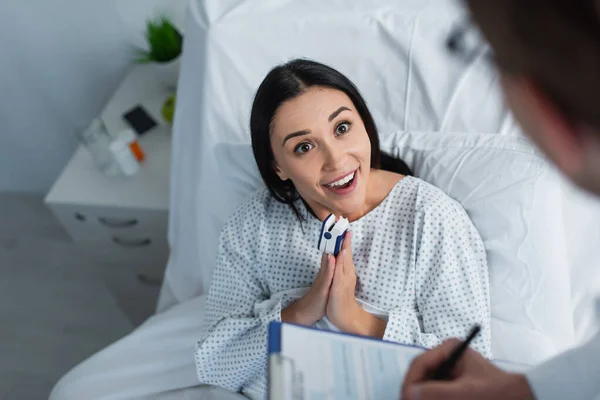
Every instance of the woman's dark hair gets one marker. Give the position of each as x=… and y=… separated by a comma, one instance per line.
x=286, y=82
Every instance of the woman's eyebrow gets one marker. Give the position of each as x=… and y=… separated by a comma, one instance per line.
x=337, y=112
x=307, y=131
x=295, y=134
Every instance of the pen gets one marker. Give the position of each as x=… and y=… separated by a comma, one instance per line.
x=444, y=369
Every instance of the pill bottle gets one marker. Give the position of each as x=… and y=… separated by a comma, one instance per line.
x=123, y=157
x=131, y=138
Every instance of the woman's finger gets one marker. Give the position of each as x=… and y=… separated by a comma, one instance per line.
x=348, y=263
x=347, y=245
x=323, y=269
x=339, y=267
x=347, y=242
x=329, y=269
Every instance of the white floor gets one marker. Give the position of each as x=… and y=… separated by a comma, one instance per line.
x=54, y=309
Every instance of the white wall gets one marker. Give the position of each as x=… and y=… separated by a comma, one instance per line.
x=60, y=60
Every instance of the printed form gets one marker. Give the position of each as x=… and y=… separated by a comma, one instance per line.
x=326, y=365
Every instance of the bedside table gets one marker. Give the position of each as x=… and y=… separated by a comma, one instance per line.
x=121, y=222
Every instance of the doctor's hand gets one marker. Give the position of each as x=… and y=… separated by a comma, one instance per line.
x=473, y=377
x=342, y=309
x=312, y=307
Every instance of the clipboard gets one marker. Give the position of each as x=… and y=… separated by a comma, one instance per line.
x=306, y=363
x=289, y=378
x=284, y=380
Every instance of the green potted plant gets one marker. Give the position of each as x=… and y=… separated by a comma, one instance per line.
x=165, y=44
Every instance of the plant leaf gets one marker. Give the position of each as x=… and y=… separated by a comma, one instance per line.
x=164, y=40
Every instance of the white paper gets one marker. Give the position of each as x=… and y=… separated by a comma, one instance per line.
x=334, y=366
x=322, y=365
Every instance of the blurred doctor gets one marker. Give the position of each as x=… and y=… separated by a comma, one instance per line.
x=548, y=54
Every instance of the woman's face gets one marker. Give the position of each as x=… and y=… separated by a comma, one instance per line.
x=320, y=143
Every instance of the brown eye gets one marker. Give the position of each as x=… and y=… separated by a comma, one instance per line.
x=303, y=148
x=342, y=128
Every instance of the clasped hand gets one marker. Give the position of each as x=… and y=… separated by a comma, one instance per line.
x=332, y=295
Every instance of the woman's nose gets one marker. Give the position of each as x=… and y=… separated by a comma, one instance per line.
x=333, y=157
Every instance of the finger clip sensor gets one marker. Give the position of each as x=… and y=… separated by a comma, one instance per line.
x=332, y=234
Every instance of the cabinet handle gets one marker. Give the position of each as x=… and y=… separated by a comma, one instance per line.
x=132, y=243
x=79, y=217
x=148, y=280
x=117, y=223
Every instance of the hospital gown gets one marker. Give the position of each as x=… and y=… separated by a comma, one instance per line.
x=419, y=261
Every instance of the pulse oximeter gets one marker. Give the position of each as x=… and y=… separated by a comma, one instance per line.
x=332, y=235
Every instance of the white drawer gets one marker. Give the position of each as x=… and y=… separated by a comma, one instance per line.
x=122, y=238
x=87, y=219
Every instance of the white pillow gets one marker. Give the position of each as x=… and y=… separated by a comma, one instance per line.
x=514, y=200
x=582, y=230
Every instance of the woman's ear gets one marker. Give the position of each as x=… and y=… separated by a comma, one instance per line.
x=282, y=175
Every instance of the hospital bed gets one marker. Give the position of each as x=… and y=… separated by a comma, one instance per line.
x=442, y=115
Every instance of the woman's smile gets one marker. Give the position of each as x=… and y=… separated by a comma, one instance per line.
x=344, y=185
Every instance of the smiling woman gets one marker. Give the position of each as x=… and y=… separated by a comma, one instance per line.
x=311, y=128
x=412, y=267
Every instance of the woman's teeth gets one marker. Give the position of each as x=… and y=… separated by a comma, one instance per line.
x=342, y=181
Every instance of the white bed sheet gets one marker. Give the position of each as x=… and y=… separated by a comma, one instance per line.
x=406, y=75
